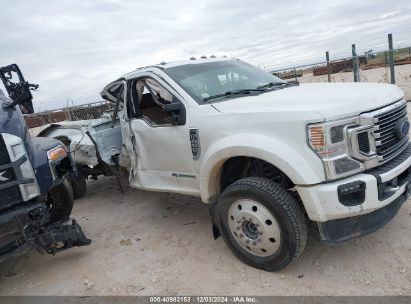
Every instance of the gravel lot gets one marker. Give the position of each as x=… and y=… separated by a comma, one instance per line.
x=156, y=243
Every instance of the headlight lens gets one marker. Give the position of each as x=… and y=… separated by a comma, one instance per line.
x=17, y=151
x=329, y=141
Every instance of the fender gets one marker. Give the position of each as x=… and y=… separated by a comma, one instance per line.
x=83, y=149
x=300, y=164
x=41, y=165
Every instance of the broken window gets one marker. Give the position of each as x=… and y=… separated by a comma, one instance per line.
x=147, y=100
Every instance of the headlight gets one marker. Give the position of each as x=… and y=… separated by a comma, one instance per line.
x=17, y=152
x=329, y=141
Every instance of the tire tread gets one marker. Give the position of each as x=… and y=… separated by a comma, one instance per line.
x=288, y=203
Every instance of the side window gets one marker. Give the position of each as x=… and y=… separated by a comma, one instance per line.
x=114, y=93
x=147, y=99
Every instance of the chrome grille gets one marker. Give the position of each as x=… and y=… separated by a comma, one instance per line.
x=388, y=144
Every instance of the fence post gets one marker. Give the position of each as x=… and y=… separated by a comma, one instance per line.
x=295, y=75
x=68, y=110
x=327, y=57
x=355, y=64
x=391, y=56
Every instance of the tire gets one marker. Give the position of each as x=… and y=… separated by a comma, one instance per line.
x=60, y=201
x=262, y=223
x=79, y=184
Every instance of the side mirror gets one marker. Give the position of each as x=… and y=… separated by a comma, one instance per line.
x=18, y=88
x=177, y=112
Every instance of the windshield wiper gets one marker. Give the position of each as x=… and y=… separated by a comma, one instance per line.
x=234, y=92
x=273, y=84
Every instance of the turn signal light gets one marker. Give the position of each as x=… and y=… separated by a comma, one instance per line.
x=316, y=136
x=57, y=153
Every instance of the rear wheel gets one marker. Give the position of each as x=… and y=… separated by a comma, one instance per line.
x=60, y=201
x=262, y=223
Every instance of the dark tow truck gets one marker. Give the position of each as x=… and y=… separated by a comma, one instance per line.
x=36, y=198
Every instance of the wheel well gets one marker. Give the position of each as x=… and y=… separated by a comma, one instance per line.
x=239, y=167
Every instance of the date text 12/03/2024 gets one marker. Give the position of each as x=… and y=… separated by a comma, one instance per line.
x=203, y=299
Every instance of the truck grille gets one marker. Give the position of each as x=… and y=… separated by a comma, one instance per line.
x=4, y=155
x=363, y=143
x=388, y=143
x=10, y=197
x=9, y=192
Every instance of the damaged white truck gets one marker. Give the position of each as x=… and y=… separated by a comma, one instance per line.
x=269, y=157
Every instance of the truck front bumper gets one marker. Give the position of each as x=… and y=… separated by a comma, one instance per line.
x=14, y=221
x=382, y=191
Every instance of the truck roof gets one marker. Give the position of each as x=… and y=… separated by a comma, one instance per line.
x=165, y=65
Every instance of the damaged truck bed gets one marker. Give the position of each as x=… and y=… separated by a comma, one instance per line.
x=95, y=145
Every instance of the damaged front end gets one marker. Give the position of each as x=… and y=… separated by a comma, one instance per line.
x=35, y=197
x=58, y=237
x=26, y=227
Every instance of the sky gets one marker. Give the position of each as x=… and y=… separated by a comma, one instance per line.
x=72, y=49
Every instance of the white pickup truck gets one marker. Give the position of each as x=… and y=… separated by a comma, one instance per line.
x=269, y=157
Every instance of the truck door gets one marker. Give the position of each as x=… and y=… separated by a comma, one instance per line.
x=159, y=137
x=115, y=92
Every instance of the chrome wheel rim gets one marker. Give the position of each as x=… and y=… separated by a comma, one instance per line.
x=254, y=228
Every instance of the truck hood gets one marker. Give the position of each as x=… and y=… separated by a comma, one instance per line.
x=330, y=100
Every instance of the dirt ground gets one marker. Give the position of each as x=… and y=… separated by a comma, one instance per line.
x=148, y=243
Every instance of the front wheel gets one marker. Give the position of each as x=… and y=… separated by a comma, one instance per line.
x=60, y=201
x=262, y=223
x=79, y=183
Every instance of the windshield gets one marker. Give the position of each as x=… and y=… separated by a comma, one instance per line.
x=205, y=81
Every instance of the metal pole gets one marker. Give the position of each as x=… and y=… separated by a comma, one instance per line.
x=354, y=63
x=68, y=110
x=295, y=74
x=391, y=56
x=327, y=57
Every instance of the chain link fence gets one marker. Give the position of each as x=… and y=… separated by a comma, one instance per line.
x=74, y=113
x=390, y=66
